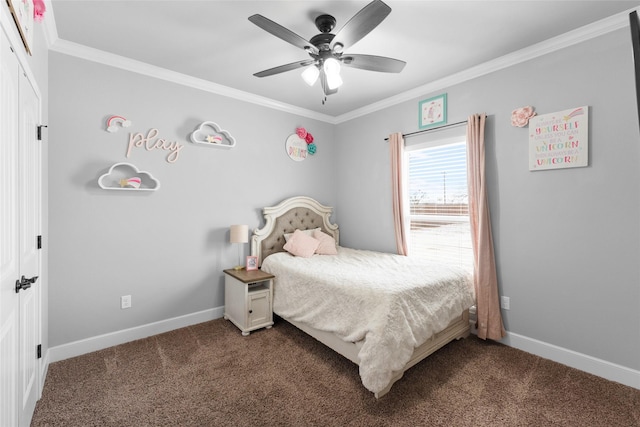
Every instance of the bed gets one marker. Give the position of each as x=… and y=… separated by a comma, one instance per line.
x=385, y=323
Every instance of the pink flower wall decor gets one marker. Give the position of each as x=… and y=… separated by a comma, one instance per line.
x=301, y=132
x=520, y=116
x=307, y=138
x=38, y=10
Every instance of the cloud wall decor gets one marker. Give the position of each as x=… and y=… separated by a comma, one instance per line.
x=125, y=176
x=209, y=133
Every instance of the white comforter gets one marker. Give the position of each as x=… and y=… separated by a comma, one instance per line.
x=391, y=302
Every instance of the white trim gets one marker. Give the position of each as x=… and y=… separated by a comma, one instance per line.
x=610, y=371
x=100, y=342
x=49, y=25
x=602, y=368
x=44, y=369
x=570, y=38
x=7, y=24
x=437, y=142
x=117, y=61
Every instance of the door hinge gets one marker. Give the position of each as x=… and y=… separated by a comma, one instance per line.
x=40, y=131
x=39, y=242
x=39, y=351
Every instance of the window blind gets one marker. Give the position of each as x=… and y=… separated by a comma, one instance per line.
x=438, y=202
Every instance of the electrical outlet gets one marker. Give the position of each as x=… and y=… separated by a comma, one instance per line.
x=505, y=303
x=125, y=301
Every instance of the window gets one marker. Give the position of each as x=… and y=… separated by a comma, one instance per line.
x=438, y=202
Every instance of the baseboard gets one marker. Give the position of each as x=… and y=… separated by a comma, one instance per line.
x=583, y=362
x=44, y=368
x=592, y=365
x=77, y=348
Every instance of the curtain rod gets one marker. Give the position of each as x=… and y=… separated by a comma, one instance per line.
x=432, y=129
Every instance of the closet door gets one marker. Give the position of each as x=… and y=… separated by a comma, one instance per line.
x=19, y=256
x=29, y=219
x=9, y=236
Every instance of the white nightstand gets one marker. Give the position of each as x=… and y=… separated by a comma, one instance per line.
x=247, y=299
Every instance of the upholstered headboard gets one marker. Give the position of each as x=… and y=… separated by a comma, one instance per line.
x=295, y=213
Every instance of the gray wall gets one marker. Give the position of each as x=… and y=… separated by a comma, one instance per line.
x=567, y=241
x=166, y=249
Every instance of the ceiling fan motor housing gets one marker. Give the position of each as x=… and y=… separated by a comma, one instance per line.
x=322, y=41
x=325, y=23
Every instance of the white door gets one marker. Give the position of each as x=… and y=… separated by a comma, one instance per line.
x=9, y=236
x=29, y=219
x=19, y=227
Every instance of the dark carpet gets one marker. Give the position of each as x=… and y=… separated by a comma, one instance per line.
x=209, y=375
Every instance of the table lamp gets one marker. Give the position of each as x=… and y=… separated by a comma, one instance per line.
x=239, y=234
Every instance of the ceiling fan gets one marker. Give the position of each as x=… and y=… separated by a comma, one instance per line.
x=327, y=49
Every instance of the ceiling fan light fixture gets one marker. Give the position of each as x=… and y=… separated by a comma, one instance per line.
x=334, y=81
x=327, y=49
x=331, y=69
x=310, y=74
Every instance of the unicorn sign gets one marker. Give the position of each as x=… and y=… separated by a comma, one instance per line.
x=559, y=140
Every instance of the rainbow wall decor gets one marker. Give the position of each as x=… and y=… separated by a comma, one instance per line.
x=115, y=122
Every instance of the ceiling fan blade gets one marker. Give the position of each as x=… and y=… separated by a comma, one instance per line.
x=282, y=32
x=361, y=24
x=286, y=67
x=373, y=63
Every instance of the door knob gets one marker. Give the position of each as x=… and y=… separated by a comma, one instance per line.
x=25, y=283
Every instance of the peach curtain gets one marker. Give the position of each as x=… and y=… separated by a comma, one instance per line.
x=396, y=146
x=485, y=280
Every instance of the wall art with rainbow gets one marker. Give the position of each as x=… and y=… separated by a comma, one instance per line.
x=559, y=140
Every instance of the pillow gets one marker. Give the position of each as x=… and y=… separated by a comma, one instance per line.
x=301, y=244
x=287, y=236
x=327, y=244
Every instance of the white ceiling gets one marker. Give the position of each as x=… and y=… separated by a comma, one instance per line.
x=214, y=41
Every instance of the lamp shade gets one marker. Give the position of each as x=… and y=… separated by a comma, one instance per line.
x=310, y=74
x=332, y=71
x=331, y=66
x=239, y=234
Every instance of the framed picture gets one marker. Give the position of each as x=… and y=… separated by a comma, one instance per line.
x=252, y=263
x=433, y=112
x=559, y=140
x=22, y=11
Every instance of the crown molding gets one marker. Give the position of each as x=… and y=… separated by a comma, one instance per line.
x=562, y=41
x=570, y=38
x=117, y=61
x=7, y=25
x=49, y=25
